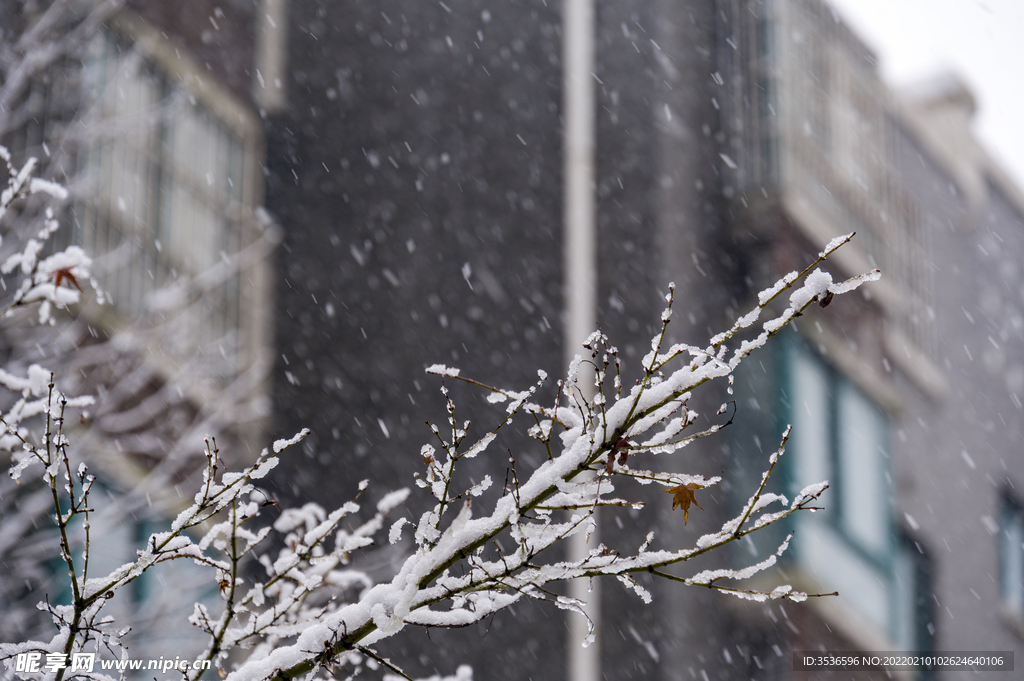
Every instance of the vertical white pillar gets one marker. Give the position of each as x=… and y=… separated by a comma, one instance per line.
x=271, y=54
x=580, y=267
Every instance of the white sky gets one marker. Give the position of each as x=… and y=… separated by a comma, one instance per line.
x=981, y=40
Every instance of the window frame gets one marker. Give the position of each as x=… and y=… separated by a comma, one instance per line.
x=838, y=488
x=1011, y=512
x=823, y=542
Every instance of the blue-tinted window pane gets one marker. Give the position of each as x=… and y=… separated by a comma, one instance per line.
x=810, y=442
x=863, y=461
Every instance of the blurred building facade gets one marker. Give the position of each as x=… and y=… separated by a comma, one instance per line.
x=734, y=139
x=412, y=155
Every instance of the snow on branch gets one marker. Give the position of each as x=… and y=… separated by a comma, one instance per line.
x=452, y=579
x=312, y=608
x=55, y=281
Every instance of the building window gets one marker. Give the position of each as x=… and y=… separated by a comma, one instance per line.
x=1011, y=556
x=841, y=435
x=819, y=128
x=171, y=187
x=913, y=614
x=862, y=460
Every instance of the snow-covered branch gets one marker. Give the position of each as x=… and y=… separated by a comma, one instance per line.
x=452, y=580
x=312, y=607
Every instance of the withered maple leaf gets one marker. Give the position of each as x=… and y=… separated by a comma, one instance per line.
x=682, y=495
x=62, y=274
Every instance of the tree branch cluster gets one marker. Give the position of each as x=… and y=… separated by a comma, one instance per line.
x=312, y=609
